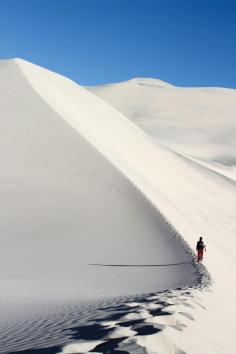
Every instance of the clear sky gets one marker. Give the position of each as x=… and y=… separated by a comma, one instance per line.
x=184, y=42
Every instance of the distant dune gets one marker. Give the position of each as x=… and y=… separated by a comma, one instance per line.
x=197, y=122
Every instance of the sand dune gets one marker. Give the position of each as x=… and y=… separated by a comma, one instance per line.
x=197, y=122
x=69, y=201
x=101, y=201
x=197, y=128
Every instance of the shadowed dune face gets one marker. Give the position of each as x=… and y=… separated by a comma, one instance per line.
x=65, y=206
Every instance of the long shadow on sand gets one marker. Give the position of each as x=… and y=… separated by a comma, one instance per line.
x=139, y=265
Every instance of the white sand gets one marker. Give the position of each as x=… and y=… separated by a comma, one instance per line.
x=198, y=127
x=197, y=122
x=66, y=205
x=75, y=179
x=80, y=347
x=120, y=332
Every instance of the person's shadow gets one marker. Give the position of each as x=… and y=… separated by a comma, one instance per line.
x=139, y=265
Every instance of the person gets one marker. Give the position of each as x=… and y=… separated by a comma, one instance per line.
x=200, y=249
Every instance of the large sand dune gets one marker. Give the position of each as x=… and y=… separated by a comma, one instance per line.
x=95, y=198
x=69, y=203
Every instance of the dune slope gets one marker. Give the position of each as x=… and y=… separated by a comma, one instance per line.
x=195, y=129
x=69, y=202
x=81, y=186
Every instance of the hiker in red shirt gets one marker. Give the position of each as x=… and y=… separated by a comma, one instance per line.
x=200, y=249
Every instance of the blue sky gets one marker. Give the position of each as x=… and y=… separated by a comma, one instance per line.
x=184, y=42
